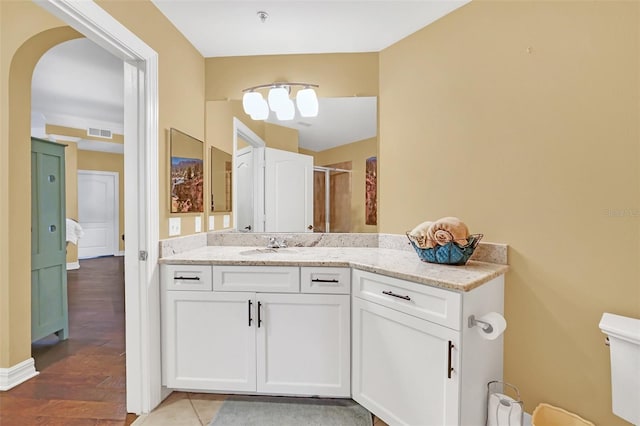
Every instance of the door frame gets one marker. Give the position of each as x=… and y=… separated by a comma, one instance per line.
x=116, y=205
x=141, y=128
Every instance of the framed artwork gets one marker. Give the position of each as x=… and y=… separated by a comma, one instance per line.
x=371, y=190
x=187, y=173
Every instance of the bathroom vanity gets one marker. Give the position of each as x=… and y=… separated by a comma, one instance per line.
x=369, y=323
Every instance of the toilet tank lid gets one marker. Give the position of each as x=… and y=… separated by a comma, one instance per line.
x=621, y=327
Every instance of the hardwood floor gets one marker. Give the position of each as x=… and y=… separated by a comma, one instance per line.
x=82, y=379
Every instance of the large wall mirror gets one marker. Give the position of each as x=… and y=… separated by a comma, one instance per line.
x=342, y=141
x=187, y=177
x=221, y=180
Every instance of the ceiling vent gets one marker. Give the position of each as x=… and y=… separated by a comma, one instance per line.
x=99, y=133
x=304, y=124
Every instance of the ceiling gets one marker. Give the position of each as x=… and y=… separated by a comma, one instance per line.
x=233, y=28
x=78, y=84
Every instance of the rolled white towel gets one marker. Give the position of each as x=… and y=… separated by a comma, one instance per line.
x=74, y=231
x=453, y=230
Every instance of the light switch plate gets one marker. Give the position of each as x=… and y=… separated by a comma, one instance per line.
x=198, y=224
x=225, y=220
x=174, y=226
x=212, y=223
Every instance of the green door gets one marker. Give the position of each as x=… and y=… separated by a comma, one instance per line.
x=48, y=241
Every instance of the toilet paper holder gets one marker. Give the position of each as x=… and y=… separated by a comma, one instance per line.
x=474, y=322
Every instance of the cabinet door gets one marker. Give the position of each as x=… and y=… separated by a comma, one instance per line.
x=304, y=344
x=48, y=241
x=210, y=343
x=401, y=366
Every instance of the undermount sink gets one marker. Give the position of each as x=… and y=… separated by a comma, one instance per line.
x=267, y=250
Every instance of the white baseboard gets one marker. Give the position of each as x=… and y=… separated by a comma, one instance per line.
x=119, y=253
x=13, y=376
x=73, y=265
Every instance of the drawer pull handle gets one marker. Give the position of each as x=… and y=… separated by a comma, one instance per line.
x=259, y=319
x=250, y=319
x=450, y=368
x=319, y=280
x=399, y=296
x=187, y=278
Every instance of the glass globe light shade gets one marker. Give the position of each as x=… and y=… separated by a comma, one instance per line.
x=287, y=111
x=307, y=102
x=261, y=111
x=251, y=102
x=278, y=98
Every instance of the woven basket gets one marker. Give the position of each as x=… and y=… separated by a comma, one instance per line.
x=451, y=253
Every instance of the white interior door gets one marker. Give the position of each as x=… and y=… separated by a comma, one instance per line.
x=245, y=189
x=288, y=191
x=98, y=213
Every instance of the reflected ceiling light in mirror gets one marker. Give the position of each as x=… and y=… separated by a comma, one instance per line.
x=279, y=102
x=286, y=111
x=278, y=98
x=307, y=102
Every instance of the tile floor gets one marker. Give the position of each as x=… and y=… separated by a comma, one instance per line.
x=191, y=409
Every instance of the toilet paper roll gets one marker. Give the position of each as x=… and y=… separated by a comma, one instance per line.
x=498, y=323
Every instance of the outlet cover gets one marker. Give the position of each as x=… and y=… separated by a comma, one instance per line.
x=174, y=226
x=198, y=224
x=225, y=220
x=212, y=223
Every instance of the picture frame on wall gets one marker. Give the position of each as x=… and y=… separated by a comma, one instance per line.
x=371, y=191
x=186, y=173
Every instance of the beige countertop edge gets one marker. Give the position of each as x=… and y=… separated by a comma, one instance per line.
x=481, y=272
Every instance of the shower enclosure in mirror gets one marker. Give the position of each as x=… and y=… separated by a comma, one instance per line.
x=221, y=178
x=187, y=177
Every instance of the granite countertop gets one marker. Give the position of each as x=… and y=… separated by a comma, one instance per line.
x=394, y=263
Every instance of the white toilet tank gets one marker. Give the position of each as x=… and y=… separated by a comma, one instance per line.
x=624, y=346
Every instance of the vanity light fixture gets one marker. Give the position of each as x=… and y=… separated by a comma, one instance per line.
x=279, y=102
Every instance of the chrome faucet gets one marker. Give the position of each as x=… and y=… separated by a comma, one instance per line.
x=275, y=243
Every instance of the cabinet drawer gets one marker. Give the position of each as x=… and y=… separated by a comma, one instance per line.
x=187, y=277
x=265, y=279
x=433, y=304
x=325, y=280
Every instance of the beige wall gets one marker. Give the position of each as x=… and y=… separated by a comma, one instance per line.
x=280, y=137
x=52, y=129
x=26, y=33
x=522, y=119
x=181, y=89
x=357, y=153
x=107, y=162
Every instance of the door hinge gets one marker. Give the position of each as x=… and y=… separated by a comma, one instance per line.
x=142, y=255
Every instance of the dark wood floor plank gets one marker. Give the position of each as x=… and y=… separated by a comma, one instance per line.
x=82, y=380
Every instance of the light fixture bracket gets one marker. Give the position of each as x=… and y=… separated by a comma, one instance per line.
x=284, y=84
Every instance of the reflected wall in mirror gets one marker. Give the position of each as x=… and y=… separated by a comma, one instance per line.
x=187, y=177
x=221, y=178
x=340, y=140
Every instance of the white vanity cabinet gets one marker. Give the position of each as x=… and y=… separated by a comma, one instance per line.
x=263, y=336
x=415, y=360
x=208, y=343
